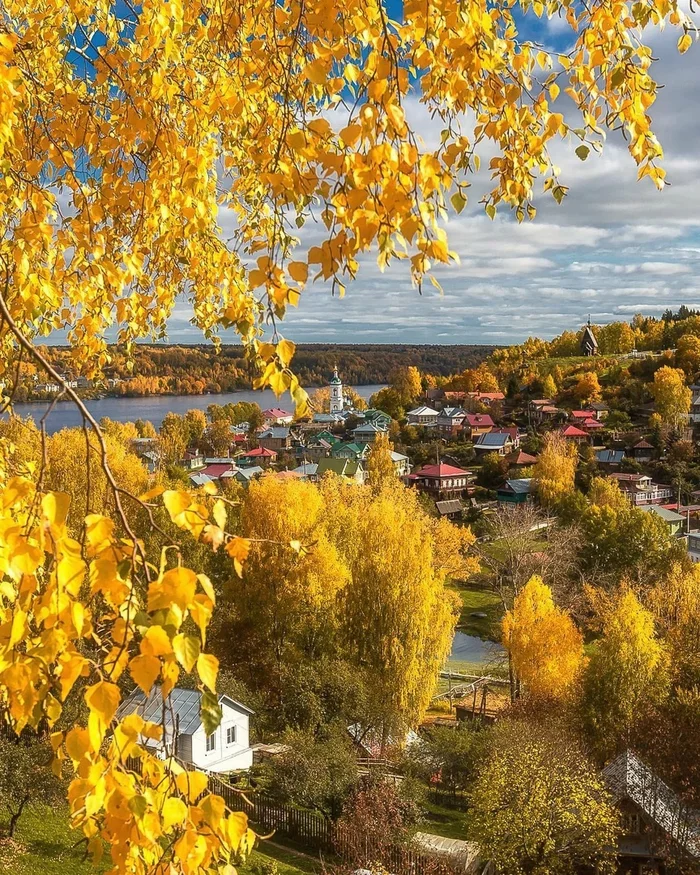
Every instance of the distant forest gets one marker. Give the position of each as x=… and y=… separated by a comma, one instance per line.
x=192, y=370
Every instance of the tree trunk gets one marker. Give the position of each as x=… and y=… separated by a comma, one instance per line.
x=14, y=819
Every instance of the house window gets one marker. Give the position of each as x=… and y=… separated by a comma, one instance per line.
x=630, y=824
x=231, y=735
x=211, y=742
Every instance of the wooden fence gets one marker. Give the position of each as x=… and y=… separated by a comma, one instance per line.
x=316, y=833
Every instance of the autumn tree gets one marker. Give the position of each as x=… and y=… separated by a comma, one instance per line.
x=26, y=779
x=380, y=465
x=406, y=382
x=397, y=618
x=587, y=388
x=128, y=133
x=675, y=603
x=627, y=672
x=549, y=387
x=555, y=470
x=544, y=645
x=196, y=423
x=173, y=437
x=671, y=396
x=688, y=353
x=539, y=806
x=389, y=400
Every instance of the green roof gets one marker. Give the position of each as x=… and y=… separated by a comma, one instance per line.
x=353, y=448
x=341, y=467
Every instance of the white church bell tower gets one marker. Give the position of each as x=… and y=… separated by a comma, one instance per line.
x=336, y=387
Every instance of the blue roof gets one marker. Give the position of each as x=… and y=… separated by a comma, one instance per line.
x=493, y=439
x=609, y=457
x=277, y=431
x=519, y=487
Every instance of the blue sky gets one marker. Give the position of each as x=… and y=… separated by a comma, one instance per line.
x=615, y=246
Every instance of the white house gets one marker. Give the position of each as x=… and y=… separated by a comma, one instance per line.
x=424, y=416
x=227, y=749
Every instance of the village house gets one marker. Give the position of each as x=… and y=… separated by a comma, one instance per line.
x=316, y=449
x=192, y=460
x=401, y=463
x=640, y=489
x=215, y=469
x=367, y=433
x=609, y=458
x=520, y=459
x=515, y=491
x=245, y=475
x=476, y=424
x=495, y=442
x=425, y=417
x=276, y=438
x=307, y=470
x=600, y=410
x=654, y=819
x=441, y=481
x=227, y=749
x=575, y=434
x=450, y=421
x=348, y=468
x=674, y=521
x=378, y=417
x=349, y=451
x=642, y=451
x=543, y=410
x=277, y=416
x=259, y=456
x=451, y=508
x=488, y=399
x=693, y=544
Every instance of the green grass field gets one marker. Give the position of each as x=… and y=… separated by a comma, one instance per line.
x=448, y=822
x=478, y=599
x=46, y=845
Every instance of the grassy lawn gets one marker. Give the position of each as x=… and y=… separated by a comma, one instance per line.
x=448, y=822
x=45, y=845
x=478, y=599
x=288, y=862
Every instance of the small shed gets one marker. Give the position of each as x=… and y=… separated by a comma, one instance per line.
x=518, y=491
x=450, y=508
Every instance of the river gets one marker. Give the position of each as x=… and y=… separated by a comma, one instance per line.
x=154, y=407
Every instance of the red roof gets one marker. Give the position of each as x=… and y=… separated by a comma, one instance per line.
x=276, y=413
x=592, y=423
x=239, y=438
x=261, y=452
x=572, y=431
x=583, y=414
x=480, y=420
x=492, y=396
x=441, y=470
x=520, y=457
x=217, y=469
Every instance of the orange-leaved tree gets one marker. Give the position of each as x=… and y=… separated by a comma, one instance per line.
x=130, y=137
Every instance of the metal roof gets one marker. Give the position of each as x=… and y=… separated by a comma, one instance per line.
x=610, y=457
x=520, y=487
x=181, y=708
x=277, y=431
x=628, y=777
x=452, y=505
x=668, y=515
x=493, y=439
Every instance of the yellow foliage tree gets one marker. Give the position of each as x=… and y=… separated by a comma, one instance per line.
x=555, y=470
x=549, y=387
x=380, y=465
x=406, y=382
x=671, y=396
x=587, y=388
x=628, y=671
x=545, y=647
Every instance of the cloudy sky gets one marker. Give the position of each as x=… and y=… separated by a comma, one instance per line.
x=613, y=248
